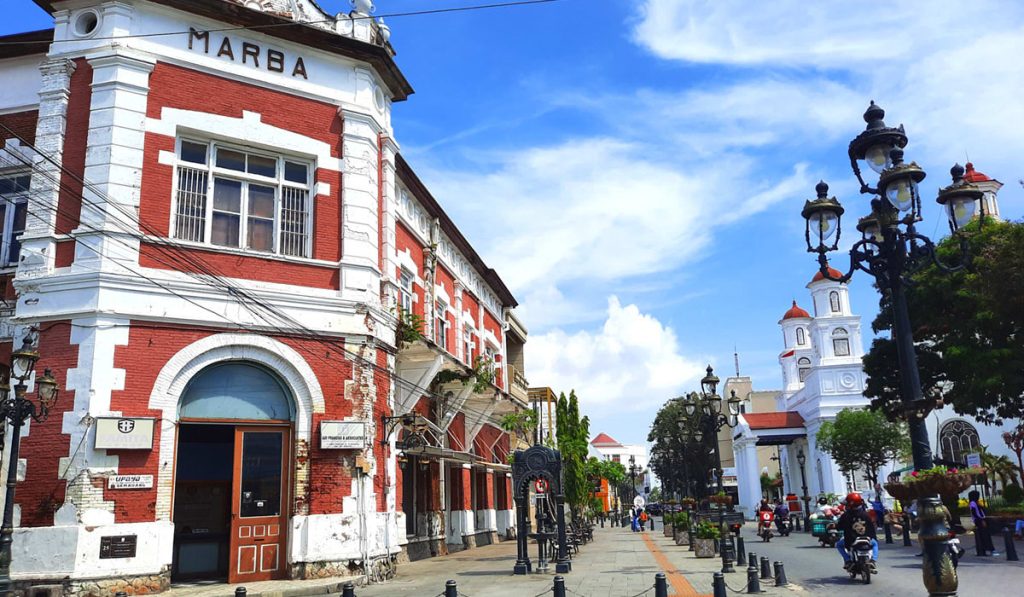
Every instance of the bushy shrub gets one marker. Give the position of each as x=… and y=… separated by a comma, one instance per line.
x=1013, y=494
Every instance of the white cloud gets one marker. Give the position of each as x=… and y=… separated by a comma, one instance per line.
x=632, y=362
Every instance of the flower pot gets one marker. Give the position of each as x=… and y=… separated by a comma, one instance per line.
x=682, y=538
x=667, y=529
x=704, y=548
x=945, y=485
x=724, y=500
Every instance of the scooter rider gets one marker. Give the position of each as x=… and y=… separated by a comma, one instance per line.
x=853, y=523
x=782, y=518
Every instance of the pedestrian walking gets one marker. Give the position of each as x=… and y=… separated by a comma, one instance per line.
x=643, y=519
x=981, y=528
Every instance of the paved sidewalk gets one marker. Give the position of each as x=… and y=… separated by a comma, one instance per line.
x=618, y=563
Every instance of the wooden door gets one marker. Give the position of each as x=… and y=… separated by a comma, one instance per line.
x=259, y=516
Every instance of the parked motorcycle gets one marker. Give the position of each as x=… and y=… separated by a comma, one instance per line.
x=860, y=559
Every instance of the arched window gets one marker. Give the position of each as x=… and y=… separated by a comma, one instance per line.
x=841, y=342
x=801, y=337
x=956, y=439
x=236, y=390
x=833, y=301
x=803, y=365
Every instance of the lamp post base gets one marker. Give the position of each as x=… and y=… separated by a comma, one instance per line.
x=937, y=568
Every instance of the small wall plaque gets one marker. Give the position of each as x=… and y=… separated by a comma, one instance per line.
x=342, y=435
x=130, y=482
x=118, y=546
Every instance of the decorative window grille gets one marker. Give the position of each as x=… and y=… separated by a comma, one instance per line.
x=801, y=336
x=237, y=198
x=833, y=301
x=803, y=365
x=957, y=438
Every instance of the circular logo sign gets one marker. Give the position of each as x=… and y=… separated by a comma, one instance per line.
x=540, y=485
x=126, y=425
x=638, y=501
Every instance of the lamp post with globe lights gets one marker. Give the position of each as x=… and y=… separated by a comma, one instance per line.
x=891, y=250
x=703, y=419
x=801, y=459
x=16, y=407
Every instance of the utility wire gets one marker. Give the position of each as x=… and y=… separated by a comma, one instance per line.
x=414, y=13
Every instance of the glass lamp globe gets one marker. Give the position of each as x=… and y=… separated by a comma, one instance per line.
x=877, y=158
x=825, y=224
x=901, y=194
x=961, y=210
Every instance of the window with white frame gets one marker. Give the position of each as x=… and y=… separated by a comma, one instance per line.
x=801, y=336
x=13, y=209
x=803, y=365
x=467, y=344
x=405, y=292
x=441, y=324
x=841, y=342
x=240, y=198
x=833, y=301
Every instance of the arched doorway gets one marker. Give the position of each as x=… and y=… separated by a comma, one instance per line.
x=231, y=474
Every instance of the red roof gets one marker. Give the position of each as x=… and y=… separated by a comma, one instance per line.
x=603, y=439
x=795, y=312
x=783, y=420
x=973, y=175
x=831, y=272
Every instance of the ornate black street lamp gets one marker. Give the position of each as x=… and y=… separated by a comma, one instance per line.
x=634, y=470
x=891, y=251
x=16, y=408
x=703, y=419
x=802, y=460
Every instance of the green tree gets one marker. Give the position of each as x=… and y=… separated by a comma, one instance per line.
x=572, y=434
x=681, y=465
x=863, y=440
x=968, y=328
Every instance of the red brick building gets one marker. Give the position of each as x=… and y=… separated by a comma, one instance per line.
x=212, y=237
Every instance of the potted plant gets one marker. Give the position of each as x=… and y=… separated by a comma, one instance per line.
x=721, y=498
x=668, y=523
x=936, y=480
x=681, y=526
x=705, y=536
x=688, y=503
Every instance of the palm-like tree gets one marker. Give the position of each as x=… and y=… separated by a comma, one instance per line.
x=1000, y=467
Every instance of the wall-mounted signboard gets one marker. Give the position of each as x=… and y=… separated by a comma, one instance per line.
x=129, y=433
x=342, y=435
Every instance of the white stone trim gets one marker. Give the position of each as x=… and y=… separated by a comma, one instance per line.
x=247, y=130
x=293, y=369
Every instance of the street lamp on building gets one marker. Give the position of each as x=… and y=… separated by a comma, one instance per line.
x=633, y=471
x=703, y=418
x=15, y=408
x=891, y=250
x=802, y=460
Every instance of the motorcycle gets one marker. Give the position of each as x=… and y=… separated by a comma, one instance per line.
x=764, y=527
x=782, y=524
x=860, y=559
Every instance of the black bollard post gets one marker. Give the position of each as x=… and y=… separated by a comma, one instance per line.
x=451, y=589
x=906, y=532
x=752, y=559
x=240, y=592
x=741, y=552
x=766, y=569
x=660, y=585
x=348, y=590
x=559, y=589
x=888, y=534
x=120, y=594
x=1011, y=549
x=780, y=575
x=753, y=582
x=718, y=585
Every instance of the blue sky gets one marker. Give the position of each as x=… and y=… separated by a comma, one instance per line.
x=635, y=169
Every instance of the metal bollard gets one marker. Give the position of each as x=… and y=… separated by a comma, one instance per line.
x=753, y=582
x=906, y=532
x=120, y=594
x=559, y=589
x=451, y=589
x=752, y=559
x=888, y=534
x=741, y=552
x=348, y=590
x=780, y=575
x=719, y=585
x=660, y=585
x=1011, y=549
x=766, y=569
x=240, y=592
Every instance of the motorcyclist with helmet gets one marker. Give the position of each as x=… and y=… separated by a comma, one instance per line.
x=855, y=516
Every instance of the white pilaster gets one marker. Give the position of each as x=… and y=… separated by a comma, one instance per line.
x=360, y=272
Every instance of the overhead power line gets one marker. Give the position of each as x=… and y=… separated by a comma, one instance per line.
x=354, y=17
